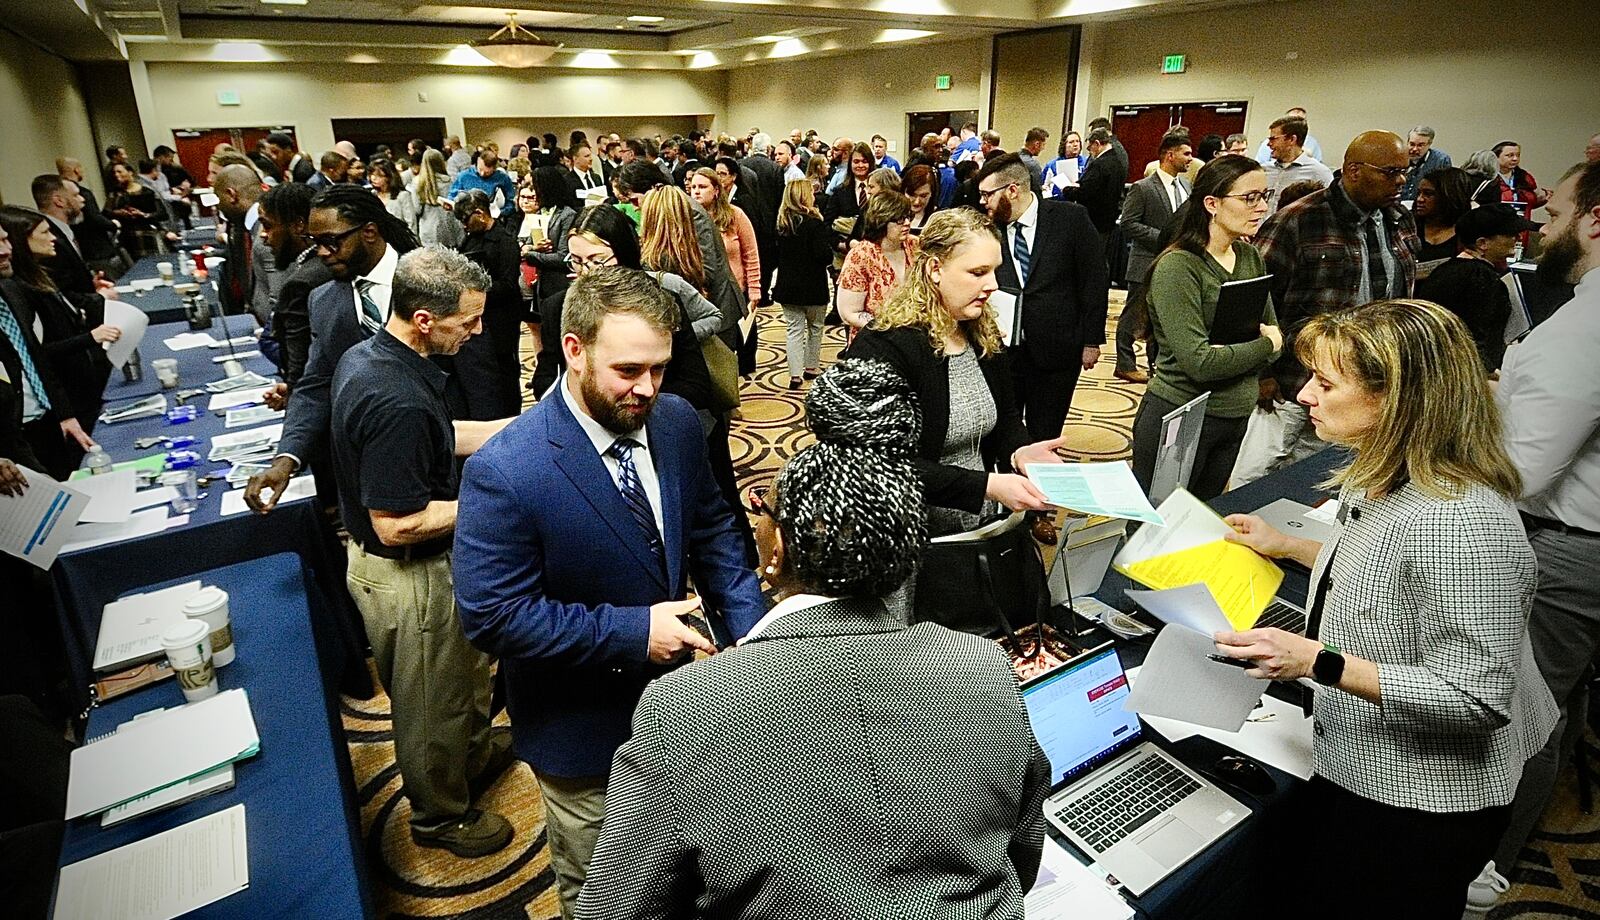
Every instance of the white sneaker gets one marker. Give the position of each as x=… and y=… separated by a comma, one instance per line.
x=1484, y=892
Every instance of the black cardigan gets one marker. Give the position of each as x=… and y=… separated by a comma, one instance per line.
x=79, y=362
x=908, y=350
x=803, y=260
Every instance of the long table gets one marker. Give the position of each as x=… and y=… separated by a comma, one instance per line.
x=88, y=579
x=162, y=304
x=303, y=828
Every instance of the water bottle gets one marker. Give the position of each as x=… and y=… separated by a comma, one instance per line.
x=99, y=461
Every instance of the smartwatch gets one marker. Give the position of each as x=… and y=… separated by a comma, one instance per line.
x=1328, y=667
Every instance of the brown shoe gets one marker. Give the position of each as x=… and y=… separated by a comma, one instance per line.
x=477, y=833
x=1044, y=529
x=1133, y=376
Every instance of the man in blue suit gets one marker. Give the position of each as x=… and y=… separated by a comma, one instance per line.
x=580, y=525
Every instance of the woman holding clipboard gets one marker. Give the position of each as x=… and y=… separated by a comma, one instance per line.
x=1212, y=320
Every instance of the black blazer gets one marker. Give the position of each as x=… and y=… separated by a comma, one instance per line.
x=97, y=235
x=22, y=307
x=1099, y=190
x=1064, y=304
x=803, y=261
x=908, y=350
x=67, y=268
x=237, y=267
x=841, y=202
x=79, y=362
x=768, y=187
x=303, y=170
x=291, y=318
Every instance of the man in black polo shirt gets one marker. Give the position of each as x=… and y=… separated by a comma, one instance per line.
x=394, y=454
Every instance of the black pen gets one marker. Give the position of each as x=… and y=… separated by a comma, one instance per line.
x=1236, y=662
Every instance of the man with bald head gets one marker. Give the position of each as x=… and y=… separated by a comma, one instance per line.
x=839, y=156
x=96, y=233
x=1342, y=246
x=238, y=190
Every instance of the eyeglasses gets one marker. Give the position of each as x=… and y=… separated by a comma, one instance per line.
x=579, y=265
x=332, y=241
x=986, y=195
x=1392, y=173
x=1251, y=199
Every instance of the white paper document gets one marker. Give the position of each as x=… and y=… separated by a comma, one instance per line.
x=234, y=398
x=1069, y=890
x=1179, y=681
x=160, y=877
x=1276, y=733
x=150, y=498
x=133, y=322
x=111, y=496
x=184, y=341
x=240, y=444
x=174, y=795
x=139, y=524
x=300, y=487
x=130, y=628
x=1191, y=606
x=1189, y=523
x=36, y=524
x=1094, y=488
x=150, y=754
x=1005, y=312
x=244, y=416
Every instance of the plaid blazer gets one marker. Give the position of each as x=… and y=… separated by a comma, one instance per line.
x=838, y=764
x=1437, y=593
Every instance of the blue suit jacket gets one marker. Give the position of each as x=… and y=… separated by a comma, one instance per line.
x=553, y=576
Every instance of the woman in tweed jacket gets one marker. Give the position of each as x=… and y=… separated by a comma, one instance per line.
x=1430, y=701
x=837, y=763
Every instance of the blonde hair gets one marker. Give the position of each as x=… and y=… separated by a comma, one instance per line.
x=883, y=179
x=721, y=209
x=917, y=302
x=817, y=167
x=1437, y=423
x=425, y=187
x=799, y=202
x=667, y=241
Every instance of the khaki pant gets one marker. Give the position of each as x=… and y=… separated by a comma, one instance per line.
x=438, y=684
x=573, y=811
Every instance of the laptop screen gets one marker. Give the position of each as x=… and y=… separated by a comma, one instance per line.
x=1540, y=298
x=1077, y=714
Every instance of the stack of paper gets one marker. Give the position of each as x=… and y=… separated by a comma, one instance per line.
x=1094, y=488
x=239, y=382
x=184, y=341
x=245, y=416
x=1180, y=681
x=160, y=877
x=111, y=496
x=151, y=754
x=1192, y=550
x=235, y=398
x=36, y=524
x=139, y=524
x=142, y=408
x=130, y=628
x=174, y=795
x=246, y=446
x=298, y=489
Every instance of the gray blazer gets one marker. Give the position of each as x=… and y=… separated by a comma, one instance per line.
x=839, y=764
x=1146, y=211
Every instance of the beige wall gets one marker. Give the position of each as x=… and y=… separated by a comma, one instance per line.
x=308, y=96
x=858, y=95
x=1030, y=87
x=113, y=111
x=1364, y=64
x=42, y=116
x=508, y=131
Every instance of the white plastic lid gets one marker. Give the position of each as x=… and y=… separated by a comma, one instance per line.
x=205, y=601
x=184, y=634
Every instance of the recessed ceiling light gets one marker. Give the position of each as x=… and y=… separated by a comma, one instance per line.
x=287, y=2
x=901, y=35
x=647, y=19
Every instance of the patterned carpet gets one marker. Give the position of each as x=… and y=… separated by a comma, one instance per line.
x=1559, y=875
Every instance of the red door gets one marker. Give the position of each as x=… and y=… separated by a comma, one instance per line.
x=195, y=147
x=1219, y=118
x=1140, y=128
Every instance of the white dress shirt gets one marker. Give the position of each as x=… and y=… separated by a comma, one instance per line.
x=602, y=438
x=1028, y=225
x=379, y=283
x=1549, y=398
x=1177, y=189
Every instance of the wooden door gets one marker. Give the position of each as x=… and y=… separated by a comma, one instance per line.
x=1140, y=128
x=1219, y=118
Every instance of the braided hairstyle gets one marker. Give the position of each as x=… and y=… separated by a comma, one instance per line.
x=850, y=506
x=360, y=207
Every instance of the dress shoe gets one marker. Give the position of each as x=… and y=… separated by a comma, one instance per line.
x=477, y=833
x=1133, y=376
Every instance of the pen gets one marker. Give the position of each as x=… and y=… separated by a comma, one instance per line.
x=1236, y=662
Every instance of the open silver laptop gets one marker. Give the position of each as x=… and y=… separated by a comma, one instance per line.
x=1123, y=801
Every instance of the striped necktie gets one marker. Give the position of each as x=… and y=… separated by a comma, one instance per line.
x=1023, y=256
x=371, y=316
x=634, y=497
x=30, y=373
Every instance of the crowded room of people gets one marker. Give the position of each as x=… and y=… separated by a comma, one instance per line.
x=799, y=459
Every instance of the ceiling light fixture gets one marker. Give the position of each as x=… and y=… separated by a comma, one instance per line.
x=514, y=46
x=287, y=2
x=902, y=35
x=647, y=19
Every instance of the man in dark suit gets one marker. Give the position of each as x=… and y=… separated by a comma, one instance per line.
x=578, y=528
x=581, y=178
x=332, y=170
x=96, y=233
x=768, y=188
x=1051, y=259
x=61, y=202
x=291, y=164
x=1146, y=212
x=238, y=189
x=1099, y=189
x=285, y=211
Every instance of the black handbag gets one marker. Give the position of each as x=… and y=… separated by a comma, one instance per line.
x=990, y=585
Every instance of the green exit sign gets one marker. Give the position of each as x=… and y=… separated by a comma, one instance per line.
x=1174, y=63
x=942, y=81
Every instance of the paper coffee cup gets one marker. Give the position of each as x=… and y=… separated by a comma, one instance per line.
x=188, y=648
x=210, y=606
x=166, y=371
x=165, y=269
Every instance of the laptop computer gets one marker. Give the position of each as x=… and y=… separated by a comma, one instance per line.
x=1120, y=799
x=1293, y=518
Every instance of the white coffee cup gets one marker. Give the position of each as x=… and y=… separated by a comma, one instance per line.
x=166, y=371
x=165, y=269
x=210, y=606
x=188, y=648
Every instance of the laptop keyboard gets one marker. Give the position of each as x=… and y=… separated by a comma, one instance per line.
x=1284, y=617
x=1106, y=814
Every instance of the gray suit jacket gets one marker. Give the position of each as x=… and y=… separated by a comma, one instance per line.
x=1146, y=211
x=839, y=764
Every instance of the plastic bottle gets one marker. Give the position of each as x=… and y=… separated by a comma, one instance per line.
x=99, y=461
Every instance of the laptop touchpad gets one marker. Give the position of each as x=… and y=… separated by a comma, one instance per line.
x=1171, y=844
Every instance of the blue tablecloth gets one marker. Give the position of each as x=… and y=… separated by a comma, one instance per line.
x=87, y=580
x=162, y=304
x=302, y=826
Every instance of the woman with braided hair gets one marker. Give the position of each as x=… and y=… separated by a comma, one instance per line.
x=865, y=749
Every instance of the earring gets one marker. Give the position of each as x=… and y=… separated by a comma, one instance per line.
x=771, y=568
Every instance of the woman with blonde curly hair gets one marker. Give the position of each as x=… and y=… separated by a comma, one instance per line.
x=939, y=332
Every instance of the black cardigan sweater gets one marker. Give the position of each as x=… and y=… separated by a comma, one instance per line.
x=911, y=354
x=803, y=260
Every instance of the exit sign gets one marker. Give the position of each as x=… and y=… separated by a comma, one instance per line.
x=1174, y=63
x=942, y=81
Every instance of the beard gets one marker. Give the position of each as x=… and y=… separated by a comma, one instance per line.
x=1559, y=262
x=623, y=416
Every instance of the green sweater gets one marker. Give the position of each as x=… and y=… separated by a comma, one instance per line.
x=1183, y=301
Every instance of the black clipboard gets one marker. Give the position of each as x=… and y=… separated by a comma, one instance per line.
x=1240, y=307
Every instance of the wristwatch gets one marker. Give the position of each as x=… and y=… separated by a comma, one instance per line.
x=1328, y=668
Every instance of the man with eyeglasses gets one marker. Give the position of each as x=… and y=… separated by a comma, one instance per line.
x=1290, y=161
x=1348, y=244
